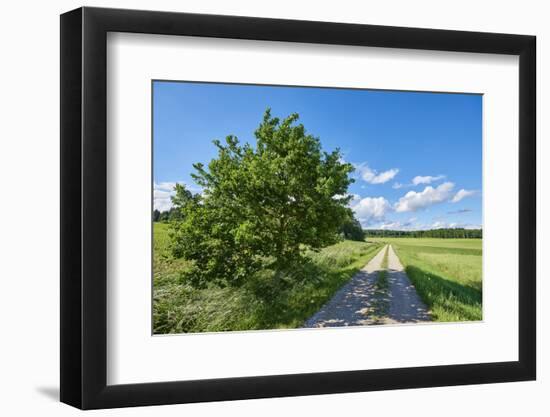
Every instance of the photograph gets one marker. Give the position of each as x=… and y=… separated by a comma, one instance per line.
x=259, y=206
x=294, y=207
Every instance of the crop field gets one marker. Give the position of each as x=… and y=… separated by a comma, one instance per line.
x=447, y=274
x=179, y=308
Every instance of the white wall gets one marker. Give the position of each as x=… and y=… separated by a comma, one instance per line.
x=29, y=238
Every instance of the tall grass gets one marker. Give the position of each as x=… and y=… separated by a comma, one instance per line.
x=179, y=308
x=381, y=301
x=447, y=274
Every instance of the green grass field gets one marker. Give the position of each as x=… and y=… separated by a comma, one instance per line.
x=179, y=308
x=447, y=274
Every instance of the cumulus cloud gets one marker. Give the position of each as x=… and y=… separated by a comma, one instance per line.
x=427, y=179
x=374, y=177
x=370, y=209
x=390, y=226
x=163, y=192
x=453, y=225
x=398, y=225
x=340, y=196
x=442, y=225
x=412, y=224
x=413, y=200
x=418, y=180
x=354, y=197
x=462, y=194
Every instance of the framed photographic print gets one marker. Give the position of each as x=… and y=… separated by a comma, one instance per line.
x=255, y=207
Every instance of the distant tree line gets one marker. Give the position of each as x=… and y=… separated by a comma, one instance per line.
x=351, y=229
x=165, y=216
x=439, y=233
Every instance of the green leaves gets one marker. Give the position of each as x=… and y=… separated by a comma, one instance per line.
x=261, y=206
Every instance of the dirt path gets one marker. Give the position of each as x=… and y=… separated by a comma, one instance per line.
x=405, y=304
x=362, y=302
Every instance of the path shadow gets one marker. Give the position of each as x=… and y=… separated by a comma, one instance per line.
x=405, y=303
x=353, y=304
x=469, y=293
x=50, y=392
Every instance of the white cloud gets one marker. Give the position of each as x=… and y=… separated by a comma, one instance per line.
x=462, y=194
x=427, y=179
x=163, y=192
x=374, y=177
x=397, y=225
x=418, y=180
x=453, y=225
x=390, y=226
x=370, y=209
x=354, y=197
x=441, y=225
x=413, y=200
x=164, y=186
x=412, y=224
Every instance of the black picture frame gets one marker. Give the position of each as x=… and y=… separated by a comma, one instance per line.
x=84, y=207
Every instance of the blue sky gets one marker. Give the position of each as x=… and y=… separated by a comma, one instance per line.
x=418, y=156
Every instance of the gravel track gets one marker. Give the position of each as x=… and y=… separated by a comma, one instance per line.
x=405, y=304
x=361, y=302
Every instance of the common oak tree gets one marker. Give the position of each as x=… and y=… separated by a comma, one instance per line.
x=261, y=206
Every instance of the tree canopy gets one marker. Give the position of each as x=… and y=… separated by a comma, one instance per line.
x=261, y=206
x=351, y=228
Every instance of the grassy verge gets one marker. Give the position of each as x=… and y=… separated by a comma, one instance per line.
x=179, y=308
x=446, y=274
x=382, y=281
x=381, y=301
